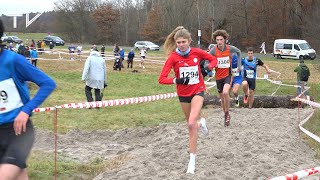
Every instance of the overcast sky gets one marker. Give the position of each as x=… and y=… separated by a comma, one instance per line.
x=9, y=7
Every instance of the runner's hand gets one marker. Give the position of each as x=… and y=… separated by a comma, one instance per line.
x=184, y=81
x=20, y=122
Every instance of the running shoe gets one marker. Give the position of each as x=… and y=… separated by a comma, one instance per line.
x=191, y=168
x=237, y=103
x=245, y=99
x=227, y=120
x=203, y=126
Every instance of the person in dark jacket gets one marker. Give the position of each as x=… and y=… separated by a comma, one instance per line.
x=303, y=74
x=102, y=50
x=130, y=58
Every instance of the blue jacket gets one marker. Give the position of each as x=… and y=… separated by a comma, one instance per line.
x=131, y=55
x=15, y=71
x=33, y=54
x=121, y=53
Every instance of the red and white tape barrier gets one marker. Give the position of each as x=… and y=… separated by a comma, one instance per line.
x=115, y=102
x=299, y=174
x=306, y=101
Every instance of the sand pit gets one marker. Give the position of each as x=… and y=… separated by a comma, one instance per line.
x=259, y=144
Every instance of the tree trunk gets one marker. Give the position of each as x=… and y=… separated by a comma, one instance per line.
x=259, y=101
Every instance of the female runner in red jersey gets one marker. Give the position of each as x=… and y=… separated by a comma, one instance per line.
x=185, y=61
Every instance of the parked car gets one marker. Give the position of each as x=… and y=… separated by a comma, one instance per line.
x=57, y=41
x=14, y=39
x=148, y=45
x=4, y=37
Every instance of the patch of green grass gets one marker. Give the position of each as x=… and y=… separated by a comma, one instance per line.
x=313, y=125
x=42, y=166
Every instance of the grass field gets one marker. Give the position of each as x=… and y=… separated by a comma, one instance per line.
x=125, y=84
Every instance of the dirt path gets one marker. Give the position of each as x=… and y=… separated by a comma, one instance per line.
x=260, y=143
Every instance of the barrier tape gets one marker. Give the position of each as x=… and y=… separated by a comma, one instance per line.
x=157, y=60
x=115, y=102
x=306, y=101
x=299, y=174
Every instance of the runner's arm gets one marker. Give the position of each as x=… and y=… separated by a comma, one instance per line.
x=163, y=78
x=234, y=49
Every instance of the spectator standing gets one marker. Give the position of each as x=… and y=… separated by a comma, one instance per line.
x=34, y=56
x=71, y=50
x=33, y=44
x=39, y=46
x=26, y=52
x=116, y=50
x=263, y=48
x=94, y=48
x=94, y=75
x=121, y=53
x=303, y=74
x=21, y=49
x=102, y=50
x=43, y=44
x=130, y=58
x=51, y=45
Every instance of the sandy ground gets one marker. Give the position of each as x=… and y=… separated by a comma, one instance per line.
x=259, y=144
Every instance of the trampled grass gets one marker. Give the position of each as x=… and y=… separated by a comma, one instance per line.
x=126, y=84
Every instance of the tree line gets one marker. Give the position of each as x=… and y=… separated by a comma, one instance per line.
x=248, y=22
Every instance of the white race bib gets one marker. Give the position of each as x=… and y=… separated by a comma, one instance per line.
x=250, y=73
x=191, y=72
x=224, y=62
x=235, y=72
x=9, y=96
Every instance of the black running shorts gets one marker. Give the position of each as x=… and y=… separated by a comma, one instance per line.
x=187, y=99
x=222, y=82
x=15, y=149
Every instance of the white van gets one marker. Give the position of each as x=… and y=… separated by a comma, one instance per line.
x=293, y=48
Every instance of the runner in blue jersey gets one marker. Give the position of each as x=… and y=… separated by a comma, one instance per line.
x=16, y=129
x=236, y=78
x=250, y=64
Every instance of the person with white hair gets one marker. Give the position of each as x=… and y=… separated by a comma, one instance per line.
x=94, y=75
